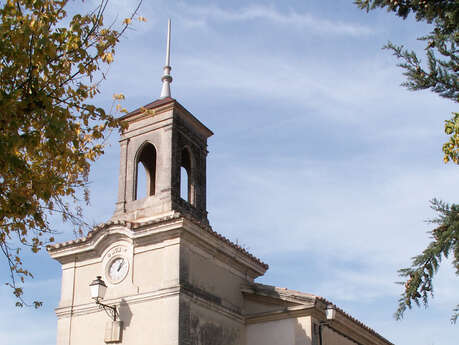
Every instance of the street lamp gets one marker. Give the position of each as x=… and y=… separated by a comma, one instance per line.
x=98, y=289
x=330, y=312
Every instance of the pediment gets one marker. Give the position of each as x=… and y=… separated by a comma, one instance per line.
x=151, y=230
x=94, y=243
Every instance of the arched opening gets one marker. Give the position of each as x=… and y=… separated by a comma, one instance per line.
x=184, y=184
x=145, y=172
x=186, y=177
x=141, y=190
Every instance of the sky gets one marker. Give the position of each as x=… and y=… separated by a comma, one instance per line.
x=321, y=165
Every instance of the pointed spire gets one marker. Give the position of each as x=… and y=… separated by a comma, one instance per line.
x=166, y=78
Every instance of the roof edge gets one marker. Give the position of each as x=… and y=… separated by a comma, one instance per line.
x=299, y=296
x=133, y=226
x=163, y=102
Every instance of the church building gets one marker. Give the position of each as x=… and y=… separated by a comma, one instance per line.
x=156, y=273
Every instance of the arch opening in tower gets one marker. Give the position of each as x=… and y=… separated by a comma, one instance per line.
x=145, y=172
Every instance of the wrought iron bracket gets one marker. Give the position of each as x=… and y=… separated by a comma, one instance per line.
x=111, y=310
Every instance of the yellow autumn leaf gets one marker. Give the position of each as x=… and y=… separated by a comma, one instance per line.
x=107, y=57
x=118, y=96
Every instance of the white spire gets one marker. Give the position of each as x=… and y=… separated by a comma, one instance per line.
x=166, y=78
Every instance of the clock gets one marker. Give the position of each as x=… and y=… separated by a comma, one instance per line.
x=117, y=269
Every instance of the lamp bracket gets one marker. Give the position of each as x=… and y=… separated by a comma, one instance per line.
x=109, y=309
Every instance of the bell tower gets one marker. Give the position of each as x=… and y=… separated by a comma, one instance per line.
x=163, y=138
x=169, y=143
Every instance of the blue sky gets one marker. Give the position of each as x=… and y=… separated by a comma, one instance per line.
x=321, y=164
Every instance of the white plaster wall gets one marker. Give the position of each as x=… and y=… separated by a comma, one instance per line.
x=153, y=322
x=153, y=273
x=152, y=267
x=68, y=272
x=156, y=266
x=293, y=331
x=206, y=272
x=63, y=331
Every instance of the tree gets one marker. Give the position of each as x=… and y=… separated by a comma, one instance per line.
x=418, y=284
x=50, y=132
x=440, y=75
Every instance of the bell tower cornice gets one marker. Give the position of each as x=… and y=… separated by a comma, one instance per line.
x=165, y=105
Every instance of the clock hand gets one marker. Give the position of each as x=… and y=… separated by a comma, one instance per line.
x=120, y=265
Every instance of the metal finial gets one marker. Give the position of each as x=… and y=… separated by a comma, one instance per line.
x=167, y=78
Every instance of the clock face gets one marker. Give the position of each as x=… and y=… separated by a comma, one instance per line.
x=117, y=269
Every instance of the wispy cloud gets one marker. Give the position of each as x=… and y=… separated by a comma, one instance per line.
x=288, y=18
x=356, y=214
x=206, y=16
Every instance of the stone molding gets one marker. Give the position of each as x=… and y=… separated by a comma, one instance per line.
x=159, y=229
x=90, y=308
x=287, y=313
x=163, y=105
x=178, y=290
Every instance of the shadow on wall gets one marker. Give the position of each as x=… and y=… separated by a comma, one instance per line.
x=125, y=313
x=301, y=337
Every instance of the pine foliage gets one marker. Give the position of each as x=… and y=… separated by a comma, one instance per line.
x=418, y=286
x=440, y=71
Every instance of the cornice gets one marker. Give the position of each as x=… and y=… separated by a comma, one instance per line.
x=243, y=262
x=162, y=105
x=286, y=313
x=177, y=290
x=159, y=105
x=90, y=308
x=139, y=231
x=222, y=238
x=188, y=117
x=346, y=323
x=292, y=296
x=159, y=123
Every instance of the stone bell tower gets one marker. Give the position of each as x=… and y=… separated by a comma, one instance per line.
x=164, y=138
